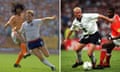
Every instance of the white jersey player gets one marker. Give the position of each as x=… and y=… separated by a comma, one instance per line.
x=86, y=23
x=30, y=28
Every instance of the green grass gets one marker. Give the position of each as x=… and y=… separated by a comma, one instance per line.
x=68, y=58
x=30, y=64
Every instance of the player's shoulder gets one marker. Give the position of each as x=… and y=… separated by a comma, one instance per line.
x=74, y=21
x=117, y=16
x=86, y=14
x=37, y=21
x=89, y=14
x=13, y=17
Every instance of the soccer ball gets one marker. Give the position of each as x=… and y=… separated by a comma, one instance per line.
x=87, y=65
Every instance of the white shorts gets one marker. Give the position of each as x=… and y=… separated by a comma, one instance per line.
x=15, y=38
x=117, y=42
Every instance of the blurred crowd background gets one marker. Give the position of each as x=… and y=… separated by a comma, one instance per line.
x=88, y=6
x=42, y=8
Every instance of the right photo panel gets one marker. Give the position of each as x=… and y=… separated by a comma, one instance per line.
x=90, y=35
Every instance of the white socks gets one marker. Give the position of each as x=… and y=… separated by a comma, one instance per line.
x=46, y=62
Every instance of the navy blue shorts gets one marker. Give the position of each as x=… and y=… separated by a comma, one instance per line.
x=93, y=38
x=35, y=44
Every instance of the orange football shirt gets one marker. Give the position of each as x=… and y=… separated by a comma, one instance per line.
x=115, y=26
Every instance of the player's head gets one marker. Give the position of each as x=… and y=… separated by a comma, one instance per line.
x=17, y=8
x=111, y=12
x=29, y=15
x=77, y=12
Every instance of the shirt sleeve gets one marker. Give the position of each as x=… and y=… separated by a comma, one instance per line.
x=117, y=17
x=72, y=27
x=94, y=16
x=38, y=21
x=75, y=26
x=11, y=20
x=91, y=16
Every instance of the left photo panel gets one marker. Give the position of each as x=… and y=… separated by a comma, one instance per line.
x=29, y=36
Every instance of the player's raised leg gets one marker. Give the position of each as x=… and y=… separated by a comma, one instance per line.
x=23, y=53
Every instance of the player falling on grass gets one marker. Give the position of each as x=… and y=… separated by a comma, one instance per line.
x=114, y=39
x=86, y=23
x=15, y=22
x=30, y=28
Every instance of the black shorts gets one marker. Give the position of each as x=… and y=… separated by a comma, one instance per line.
x=93, y=38
x=36, y=43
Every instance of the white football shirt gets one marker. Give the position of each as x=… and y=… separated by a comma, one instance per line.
x=87, y=24
x=31, y=30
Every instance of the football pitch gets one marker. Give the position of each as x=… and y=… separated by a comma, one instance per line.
x=30, y=64
x=68, y=58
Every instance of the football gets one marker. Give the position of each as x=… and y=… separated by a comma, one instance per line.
x=87, y=65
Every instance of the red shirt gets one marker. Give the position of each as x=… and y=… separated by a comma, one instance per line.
x=115, y=26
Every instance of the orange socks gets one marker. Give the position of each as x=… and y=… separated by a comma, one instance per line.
x=23, y=48
x=22, y=53
x=108, y=59
x=102, y=56
x=20, y=56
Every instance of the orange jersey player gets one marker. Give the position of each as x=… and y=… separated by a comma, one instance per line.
x=114, y=40
x=15, y=22
x=115, y=26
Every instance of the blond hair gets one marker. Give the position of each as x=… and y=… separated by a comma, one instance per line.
x=30, y=12
x=76, y=8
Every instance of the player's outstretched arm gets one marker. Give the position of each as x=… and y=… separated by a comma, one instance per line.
x=105, y=18
x=48, y=18
x=10, y=21
x=6, y=25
